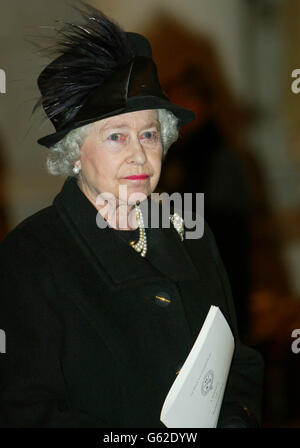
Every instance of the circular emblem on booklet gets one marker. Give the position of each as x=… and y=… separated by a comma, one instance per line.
x=207, y=383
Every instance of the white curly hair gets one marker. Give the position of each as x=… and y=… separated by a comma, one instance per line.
x=62, y=155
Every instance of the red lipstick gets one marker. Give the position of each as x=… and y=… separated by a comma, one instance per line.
x=140, y=177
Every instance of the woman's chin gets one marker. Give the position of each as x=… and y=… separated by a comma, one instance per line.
x=134, y=193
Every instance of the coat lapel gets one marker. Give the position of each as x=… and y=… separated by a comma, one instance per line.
x=110, y=254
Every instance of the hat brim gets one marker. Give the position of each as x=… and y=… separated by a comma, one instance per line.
x=134, y=104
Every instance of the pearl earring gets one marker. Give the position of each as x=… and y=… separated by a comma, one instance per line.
x=76, y=169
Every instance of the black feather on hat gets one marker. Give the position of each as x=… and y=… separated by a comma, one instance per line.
x=102, y=71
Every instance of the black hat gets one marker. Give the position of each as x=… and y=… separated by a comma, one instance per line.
x=102, y=71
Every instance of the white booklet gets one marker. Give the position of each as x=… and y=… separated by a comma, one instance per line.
x=195, y=397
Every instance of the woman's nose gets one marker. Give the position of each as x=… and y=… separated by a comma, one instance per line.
x=137, y=152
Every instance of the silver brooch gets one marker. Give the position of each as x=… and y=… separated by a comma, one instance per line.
x=178, y=224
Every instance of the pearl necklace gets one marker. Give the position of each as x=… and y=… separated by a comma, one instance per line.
x=141, y=245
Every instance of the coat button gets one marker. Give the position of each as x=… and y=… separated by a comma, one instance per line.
x=163, y=299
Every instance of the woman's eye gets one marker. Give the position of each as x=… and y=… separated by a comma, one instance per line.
x=116, y=137
x=149, y=135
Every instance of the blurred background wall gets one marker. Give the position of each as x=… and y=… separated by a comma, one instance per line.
x=243, y=52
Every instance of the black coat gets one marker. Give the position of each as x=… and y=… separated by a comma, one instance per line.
x=88, y=342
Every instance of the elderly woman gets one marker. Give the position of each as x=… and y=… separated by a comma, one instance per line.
x=100, y=313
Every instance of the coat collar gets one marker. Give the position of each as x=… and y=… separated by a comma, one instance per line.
x=166, y=252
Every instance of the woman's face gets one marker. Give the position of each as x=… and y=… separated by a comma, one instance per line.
x=118, y=148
